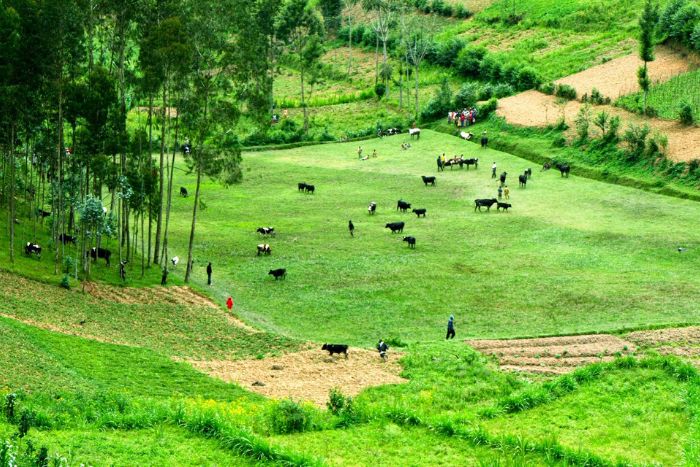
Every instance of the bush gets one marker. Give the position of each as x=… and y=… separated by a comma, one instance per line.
x=380, y=90
x=490, y=68
x=685, y=114
x=486, y=92
x=446, y=53
x=635, y=138
x=597, y=98
x=467, y=96
x=559, y=142
x=468, y=61
x=548, y=88
x=8, y=407
x=489, y=107
x=440, y=104
x=503, y=90
x=65, y=282
x=565, y=91
x=288, y=416
x=527, y=79
x=460, y=11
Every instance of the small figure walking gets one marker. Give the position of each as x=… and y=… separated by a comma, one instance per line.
x=374, y=153
x=359, y=152
x=351, y=228
x=500, y=192
x=229, y=304
x=451, y=327
x=164, y=277
x=209, y=271
x=382, y=348
x=506, y=192
x=484, y=140
x=493, y=170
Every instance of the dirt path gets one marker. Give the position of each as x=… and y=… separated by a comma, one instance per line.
x=618, y=77
x=532, y=108
x=307, y=375
x=553, y=355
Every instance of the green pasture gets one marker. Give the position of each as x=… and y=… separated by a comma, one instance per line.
x=572, y=255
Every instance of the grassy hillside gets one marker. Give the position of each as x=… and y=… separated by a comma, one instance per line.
x=573, y=255
x=667, y=97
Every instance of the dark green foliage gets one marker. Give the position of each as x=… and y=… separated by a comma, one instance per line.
x=8, y=407
x=685, y=114
x=635, y=138
x=446, y=53
x=467, y=95
x=487, y=108
x=331, y=10
x=548, y=88
x=468, y=61
x=65, y=282
x=439, y=104
x=565, y=91
x=288, y=416
x=380, y=90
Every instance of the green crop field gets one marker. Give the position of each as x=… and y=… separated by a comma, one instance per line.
x=666, y=98
x=572, y=255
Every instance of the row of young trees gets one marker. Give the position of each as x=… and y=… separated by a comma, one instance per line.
x=98, y=96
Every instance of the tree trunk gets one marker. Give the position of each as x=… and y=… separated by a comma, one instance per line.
x=303, y=103
x=170, y=192
x=400, y=84
x=376, y=61
x=646, y=91
x=159, y=221
x=11, y=213
x=194, y=222
x=150, y=165
x=349, y=46
x=384, y=65
x=417, y=106
x=57, y=212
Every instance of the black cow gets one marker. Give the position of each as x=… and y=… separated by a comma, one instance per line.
x=472, y=161
x=479, y=203
x=183, y=192
x=528, y=172
x=264, y=249
x=429, y=180
x=395, y=226
x=411, y=241
x=454, y=161
x=278, y=273
x=564, y=169
x=100, y=253
x=523, y=180
x=65, y=238
x=503, y=177
x=32, y=248
x=372, y=208
x=42, y=213
x=310, y=189
x=301, y=186
x=420, y=212
x=403, y=206
x=336, y=348
x=266, y=230
x=440, y=165
x=503, y=206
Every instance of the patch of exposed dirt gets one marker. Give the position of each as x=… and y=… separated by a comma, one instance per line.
x=175, y=295
x=307, y=375
x=689, y=335
x=618, y=77
x=532, y=108
x=553, y=355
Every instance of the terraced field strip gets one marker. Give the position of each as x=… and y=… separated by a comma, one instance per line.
x=553, y=355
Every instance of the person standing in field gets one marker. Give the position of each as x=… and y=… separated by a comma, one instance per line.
x=493, y=170
x=382, y=348
x=506, y=192
x=209, y=271
x=359, y=152
x=500, y=192
x=451, y=327
x=229, y=304
x=164, y=277
x=484, y=140
x=351, y=228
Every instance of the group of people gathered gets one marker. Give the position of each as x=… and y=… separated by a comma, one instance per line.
x=462, y=118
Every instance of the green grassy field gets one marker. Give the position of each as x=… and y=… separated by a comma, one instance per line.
x=666, y=97
x=573, y=255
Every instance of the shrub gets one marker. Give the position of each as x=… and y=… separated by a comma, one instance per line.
x=527, y=79
x=486, y=109
x=583, y=122
x=446, y=53
x=288, y=416
x=380, y=90
x=635, y=138
x=486, y=92
x=565, y=91
x=503, y=90
x=440, y=104
x=65, y=282
x=685, y=114
x=597, y=98
x=460, y=11
x=490, y=68
x=468, y=61
x=467, y=96
x=8, y=407
x=548, y=88
x=559, y=142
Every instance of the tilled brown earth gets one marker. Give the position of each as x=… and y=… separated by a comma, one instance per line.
x=681, y=342
x=553, y=355
x=308, y=375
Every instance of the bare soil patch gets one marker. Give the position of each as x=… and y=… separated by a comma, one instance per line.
x=681, y=342
x=532, y=108
x=618, y=77
x=553, y=355
x=176, y=295
x=307, y=375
